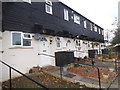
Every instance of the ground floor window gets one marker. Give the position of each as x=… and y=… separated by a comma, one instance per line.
x=21, y=39
x=16, y=39
x=58, y=44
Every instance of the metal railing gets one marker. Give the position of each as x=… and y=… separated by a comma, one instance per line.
x=46, y=55
x=10, y=76
x=98, y=70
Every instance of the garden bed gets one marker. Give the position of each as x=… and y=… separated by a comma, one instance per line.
x=43, y=78
x=92, y=73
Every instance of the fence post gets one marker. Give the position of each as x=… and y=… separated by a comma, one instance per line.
x=99, y=78
x=115, y=65
x=10, y=77
x=119, y=77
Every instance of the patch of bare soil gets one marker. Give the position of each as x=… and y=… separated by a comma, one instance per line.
x=43, y=78
x=93, y=73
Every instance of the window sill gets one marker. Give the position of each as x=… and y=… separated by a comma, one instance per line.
x=58, y=48
x=21, y=48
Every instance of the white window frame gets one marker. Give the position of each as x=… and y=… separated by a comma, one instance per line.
x=91, y=27
x=85, y=24
x=26, y=37
x=49, y=12
x=99, y=31
x=28, y=1
x=48, y=5
x=102, y=32
x=22, y=34
x=66, y=15
x=95, y=28
x=76, y=19
x=59, y=44
x=49, y=2
x=12, y=39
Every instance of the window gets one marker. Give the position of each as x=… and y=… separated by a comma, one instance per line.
x=66, y=17
x=99, y=31
x=76, y=19
x=91, y=26
x=27, y=36
x=16, y=39
x=48, y=7
x=27, y=39
x=21, y=39
x=88, y=45
x=78, y=43
x=102, y=32
x=58, y=44
x=95, y=28
x=85, y=25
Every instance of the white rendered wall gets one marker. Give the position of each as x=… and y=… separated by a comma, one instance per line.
x=25, y=58
x=0, y=58
x=0, y=42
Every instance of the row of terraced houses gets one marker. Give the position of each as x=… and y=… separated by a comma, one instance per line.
x=32, y=32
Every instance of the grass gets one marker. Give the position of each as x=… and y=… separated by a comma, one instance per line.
x=43, y=78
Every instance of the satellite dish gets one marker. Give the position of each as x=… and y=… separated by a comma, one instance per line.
x=37, y=37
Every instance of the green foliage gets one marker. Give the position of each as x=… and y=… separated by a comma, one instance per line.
x=116, y=39
x=105, y=55
x=99, y=55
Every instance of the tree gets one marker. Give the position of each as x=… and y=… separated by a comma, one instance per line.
x=116, y=38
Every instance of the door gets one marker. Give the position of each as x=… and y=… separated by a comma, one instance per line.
x=45, y=58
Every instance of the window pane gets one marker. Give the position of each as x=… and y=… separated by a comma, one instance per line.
x=27, y=36
x=65, y=14
x=95, y=28
x=91, y=27
x=48, y=9
x=76, y=19
x=58, y=44
x=85, y=25
x=16, y=38
x=26, y=42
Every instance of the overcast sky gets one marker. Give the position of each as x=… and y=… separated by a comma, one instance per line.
x=101, y=12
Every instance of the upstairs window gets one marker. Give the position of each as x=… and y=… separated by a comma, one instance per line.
x=48, y=7
x=85, y=24
x=95, y=28
x=66, y=17
x=76, y=19
x=102, y=32
x=99, y=31
x=91, y=26
x=20, y=39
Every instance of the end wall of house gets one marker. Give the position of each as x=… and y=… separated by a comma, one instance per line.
x=20, y=58
x=0, y=56
x=0, y=42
